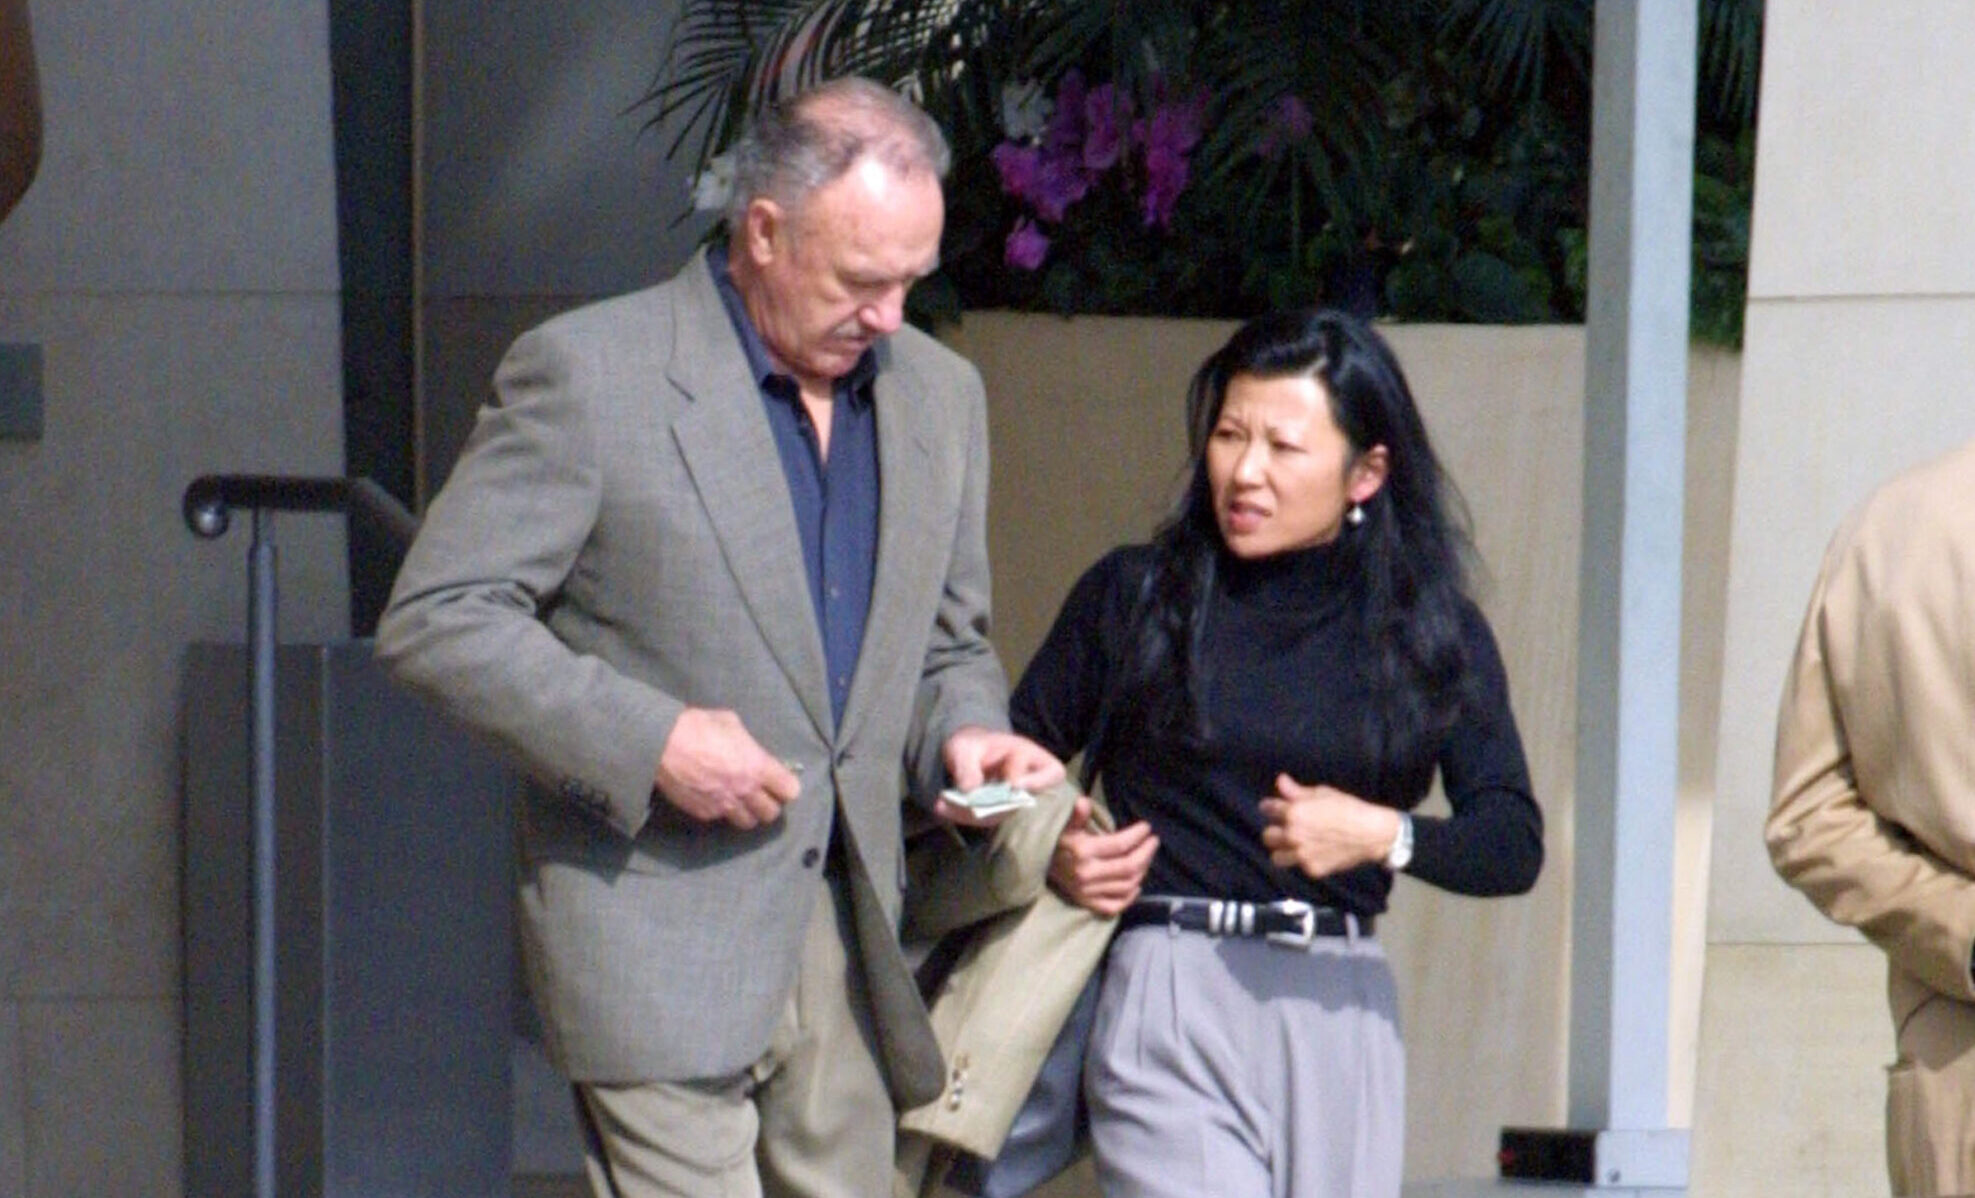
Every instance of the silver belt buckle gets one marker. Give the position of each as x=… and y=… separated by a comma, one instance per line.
x=1302, y=911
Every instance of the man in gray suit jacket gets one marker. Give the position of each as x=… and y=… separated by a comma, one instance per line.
x=713, y=568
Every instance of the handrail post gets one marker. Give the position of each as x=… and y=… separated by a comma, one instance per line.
x=261, y=635
x=206, y=508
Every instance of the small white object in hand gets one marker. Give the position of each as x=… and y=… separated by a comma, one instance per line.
x=992, y=798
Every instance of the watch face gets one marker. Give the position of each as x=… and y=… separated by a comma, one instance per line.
x=1401, y=852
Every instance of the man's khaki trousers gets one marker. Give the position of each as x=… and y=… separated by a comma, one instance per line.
x=811, y=1119
x=1930, y=1092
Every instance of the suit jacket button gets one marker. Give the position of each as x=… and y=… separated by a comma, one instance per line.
x=810, y=857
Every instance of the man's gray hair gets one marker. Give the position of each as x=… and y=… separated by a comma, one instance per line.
x=799, y=144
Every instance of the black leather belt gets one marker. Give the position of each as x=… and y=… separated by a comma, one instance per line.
x=1289, y=922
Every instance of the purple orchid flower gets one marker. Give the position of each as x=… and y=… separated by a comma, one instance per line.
x=1106, y=117
x=1018, y=166
x=1289, y=122
x=1047, y=182
x=1059, y=182
x=1168, y=134
x=1027, y=246
x=1065, y=131
x=1174, y=125
x=1165, y=178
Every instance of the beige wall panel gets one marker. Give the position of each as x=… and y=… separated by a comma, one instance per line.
x=1867, y=154
x=13, y=1103
x=107, y=586
x=175, y=261
x=1483, y=984
x=1714, y=393
x=187, y=149
x=1836, y=396
x=103, y=1114
x=1085, y=421
x=1086, y=418
x=1861, y=326
x=1794, y=1044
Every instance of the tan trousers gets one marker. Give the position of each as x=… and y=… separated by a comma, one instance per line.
x=811, y=1119
x=1930, y=1092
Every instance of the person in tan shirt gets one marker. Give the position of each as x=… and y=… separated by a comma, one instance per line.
x=20, y=105
x=1873, y=814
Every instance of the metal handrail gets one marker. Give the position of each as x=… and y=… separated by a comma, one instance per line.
x=207, y=507
x=210, y=499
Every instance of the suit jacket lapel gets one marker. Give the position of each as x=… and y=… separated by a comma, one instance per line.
x=730, y=453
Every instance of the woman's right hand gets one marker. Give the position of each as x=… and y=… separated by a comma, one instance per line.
x=1101, y=871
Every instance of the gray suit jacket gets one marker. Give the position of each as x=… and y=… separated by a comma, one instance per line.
x=617, y=542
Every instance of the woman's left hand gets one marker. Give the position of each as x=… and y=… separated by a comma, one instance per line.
x=1321, y=830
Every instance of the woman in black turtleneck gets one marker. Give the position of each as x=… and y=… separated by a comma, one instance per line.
x=1266, y=691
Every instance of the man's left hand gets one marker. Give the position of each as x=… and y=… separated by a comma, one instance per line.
x=975, y=755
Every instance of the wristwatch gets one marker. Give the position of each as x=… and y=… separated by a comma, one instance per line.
x=1400, y=854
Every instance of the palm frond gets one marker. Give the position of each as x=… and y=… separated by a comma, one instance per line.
x=1518, y=43
x=726, y=58
x=1335, y=78
x=1731, y=56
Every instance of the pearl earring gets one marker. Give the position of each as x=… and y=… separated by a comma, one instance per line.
x=1356, y=515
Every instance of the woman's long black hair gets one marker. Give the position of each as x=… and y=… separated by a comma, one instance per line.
x=1406, y=560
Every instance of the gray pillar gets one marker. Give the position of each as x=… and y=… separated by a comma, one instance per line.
x=1642, y=154
x=1628, y=637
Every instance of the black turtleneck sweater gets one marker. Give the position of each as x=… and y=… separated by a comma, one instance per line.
x=1281, y=694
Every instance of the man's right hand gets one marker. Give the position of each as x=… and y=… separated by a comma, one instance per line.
x=1101, y=871
x=715, y=772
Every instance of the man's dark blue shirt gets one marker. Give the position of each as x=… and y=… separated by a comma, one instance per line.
x=835, y=498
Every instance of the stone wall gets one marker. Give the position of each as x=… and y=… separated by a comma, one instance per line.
x=175, y=262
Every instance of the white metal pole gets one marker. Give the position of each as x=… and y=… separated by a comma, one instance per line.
x=1642, y=155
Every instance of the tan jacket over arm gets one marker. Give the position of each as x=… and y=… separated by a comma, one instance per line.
x=999, y=1009
x=1874, y=801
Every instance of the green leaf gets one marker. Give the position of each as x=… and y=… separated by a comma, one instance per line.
x=1519, y=44
x=1490, y=291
